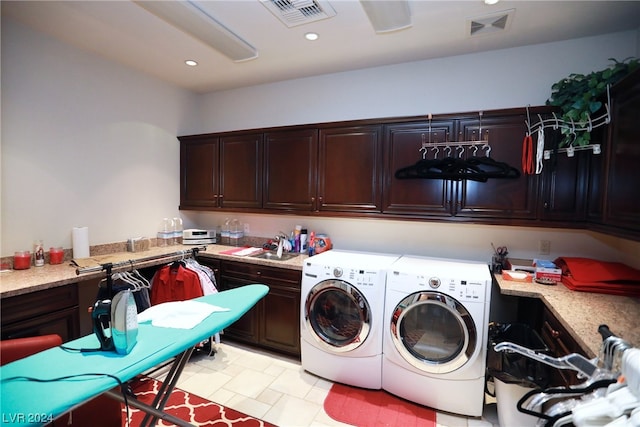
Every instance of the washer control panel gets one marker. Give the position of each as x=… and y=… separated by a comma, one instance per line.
x=356, y=276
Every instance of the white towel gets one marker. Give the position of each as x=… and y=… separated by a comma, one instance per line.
x=178, y=314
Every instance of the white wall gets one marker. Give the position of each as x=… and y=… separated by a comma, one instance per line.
x=88, y=142
x=436, y=239
x=85, y=142
x=499, y=79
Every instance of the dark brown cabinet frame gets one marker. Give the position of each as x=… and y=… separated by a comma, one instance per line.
x=346, y=169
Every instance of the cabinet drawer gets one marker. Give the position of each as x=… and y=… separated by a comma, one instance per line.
x=65, y=323
x=27, y=306
x=268, y=275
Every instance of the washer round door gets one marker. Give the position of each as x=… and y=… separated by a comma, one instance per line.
x=433, y=332
x=337, y=315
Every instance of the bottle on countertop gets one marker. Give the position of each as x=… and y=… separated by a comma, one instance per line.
x=236, y=233
x=177, y=231
x=225, y=232
x=296, y=238
x=38, y=253
x=303, y=240
x=312, y=250
x=165, y=232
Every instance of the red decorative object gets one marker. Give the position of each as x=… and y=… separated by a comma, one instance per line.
x=56, y=255
x=375, y=408
x=187, y=406
x=22, y=260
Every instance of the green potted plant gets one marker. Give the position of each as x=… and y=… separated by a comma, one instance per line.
x=580, y=97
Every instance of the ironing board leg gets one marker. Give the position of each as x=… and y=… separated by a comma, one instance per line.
x=155, y=410
x=149, y=409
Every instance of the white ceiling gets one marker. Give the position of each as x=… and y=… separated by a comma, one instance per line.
x=126, y=33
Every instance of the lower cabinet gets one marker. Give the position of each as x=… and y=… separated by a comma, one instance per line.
x=274, y=322
x=49, y=311
x=560, y=344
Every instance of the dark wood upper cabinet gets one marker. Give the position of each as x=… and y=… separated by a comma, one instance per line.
x=564, y=185
x=199, y=173
x=403, y=142
x=222, y=171
x=350, y=169
x=290, y=169
x=498, y=197
x=241, y=171
x=621, y=201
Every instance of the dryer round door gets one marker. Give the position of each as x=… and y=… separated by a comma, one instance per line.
x=433, y=332
x=337, y=315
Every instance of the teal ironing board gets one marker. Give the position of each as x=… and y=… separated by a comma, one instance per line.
x=30, y=403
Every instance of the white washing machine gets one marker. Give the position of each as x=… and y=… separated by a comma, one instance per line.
x=342, y=305
x=435, y=333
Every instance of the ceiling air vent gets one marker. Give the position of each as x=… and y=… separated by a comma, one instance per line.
x=488, y=24
x=297, y=12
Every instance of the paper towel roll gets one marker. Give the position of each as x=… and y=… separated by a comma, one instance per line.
x=80, y=238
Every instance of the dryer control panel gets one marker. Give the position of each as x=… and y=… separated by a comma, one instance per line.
x=461, y=289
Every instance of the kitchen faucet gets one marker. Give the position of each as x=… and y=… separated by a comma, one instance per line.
x=281, y=238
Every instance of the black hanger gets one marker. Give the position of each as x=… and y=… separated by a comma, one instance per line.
x=474, y=168
x=494, y=169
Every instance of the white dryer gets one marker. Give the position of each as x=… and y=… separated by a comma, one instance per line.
x=435, y=334
x=342, y=305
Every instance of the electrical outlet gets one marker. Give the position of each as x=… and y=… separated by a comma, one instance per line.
x=544, y=247
x=246, y=229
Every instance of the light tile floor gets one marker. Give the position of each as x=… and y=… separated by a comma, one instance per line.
x=276, y=389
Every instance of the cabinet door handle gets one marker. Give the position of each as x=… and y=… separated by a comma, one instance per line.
x=554, y=334
x=258, y=273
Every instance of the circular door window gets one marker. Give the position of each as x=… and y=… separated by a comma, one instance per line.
x=433, y=332
x=337, y=315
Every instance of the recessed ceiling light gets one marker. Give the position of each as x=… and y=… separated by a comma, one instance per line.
x=311, y=36
x=191, y=63
x=491, y=1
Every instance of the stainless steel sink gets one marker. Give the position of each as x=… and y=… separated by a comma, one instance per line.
x=273, y=256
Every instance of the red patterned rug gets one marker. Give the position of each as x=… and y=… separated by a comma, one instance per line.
x=375, y=408
x=187, y=406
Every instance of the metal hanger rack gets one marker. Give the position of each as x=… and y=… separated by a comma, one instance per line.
x=131, y=264
x=459, y=145
x=555, y=123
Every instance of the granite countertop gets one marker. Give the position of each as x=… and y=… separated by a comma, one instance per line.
x=582, y=312
x=17, y=282
x=579, y=312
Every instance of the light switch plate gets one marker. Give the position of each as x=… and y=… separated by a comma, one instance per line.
x=544, y=247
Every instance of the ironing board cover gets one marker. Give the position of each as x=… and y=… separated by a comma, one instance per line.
x=33, y=403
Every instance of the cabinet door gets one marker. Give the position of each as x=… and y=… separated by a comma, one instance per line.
x=498, y=198
x=199, y=185
x=49, y=311
x=280, y=328
x=350, y=162
x=622, y=204
x=403, y=143
x=241, y=171
x=290, y=169
x=274, y=322
x=244, y=329
x=560, y=343
x=564, y=187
